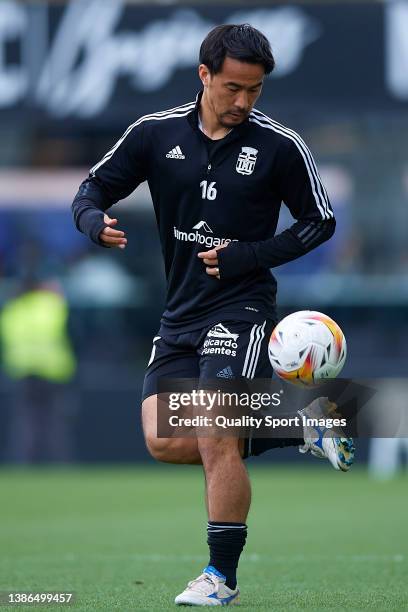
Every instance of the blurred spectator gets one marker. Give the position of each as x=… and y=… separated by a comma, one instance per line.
x=37, y=356
x=390, y=418
x=387, y=456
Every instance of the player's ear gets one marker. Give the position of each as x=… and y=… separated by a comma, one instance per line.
x=203, y=73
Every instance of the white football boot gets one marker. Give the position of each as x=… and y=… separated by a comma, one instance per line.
x=321, y=442
x=209, y=589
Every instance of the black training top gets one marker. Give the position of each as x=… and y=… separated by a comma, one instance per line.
x=206, y=194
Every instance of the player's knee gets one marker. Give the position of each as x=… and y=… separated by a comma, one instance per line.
x=159, y=448
x=168, y=450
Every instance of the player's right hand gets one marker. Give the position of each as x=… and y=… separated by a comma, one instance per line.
x=112, y=237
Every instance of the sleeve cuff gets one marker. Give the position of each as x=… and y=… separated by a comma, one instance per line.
x=237, y=259
x=91, y=223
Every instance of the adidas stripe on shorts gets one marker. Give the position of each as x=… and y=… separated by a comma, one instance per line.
x=228, y=350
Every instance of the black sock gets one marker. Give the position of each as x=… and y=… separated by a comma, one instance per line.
x=256, y=446
x=226, y=541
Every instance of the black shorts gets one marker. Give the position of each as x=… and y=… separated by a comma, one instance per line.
x=226, y=350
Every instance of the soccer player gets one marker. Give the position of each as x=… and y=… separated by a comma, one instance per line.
x=218, y=171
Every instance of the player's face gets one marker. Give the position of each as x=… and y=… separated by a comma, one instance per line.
x=232, y=93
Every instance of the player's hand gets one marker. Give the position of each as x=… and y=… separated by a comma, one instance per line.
x=210, y=258
x=112, y=237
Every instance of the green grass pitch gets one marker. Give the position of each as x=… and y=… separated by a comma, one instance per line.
x=130, y=538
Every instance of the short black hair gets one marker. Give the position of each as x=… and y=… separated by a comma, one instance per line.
x=240, y=42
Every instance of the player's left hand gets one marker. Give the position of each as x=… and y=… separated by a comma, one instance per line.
x=210, y=258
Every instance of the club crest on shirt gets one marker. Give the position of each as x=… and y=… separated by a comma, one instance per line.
x=246, y=160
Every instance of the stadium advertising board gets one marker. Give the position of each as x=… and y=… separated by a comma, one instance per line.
x=86, y=60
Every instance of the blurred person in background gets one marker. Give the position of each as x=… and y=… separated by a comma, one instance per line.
x=388, y=454
x=38, y=357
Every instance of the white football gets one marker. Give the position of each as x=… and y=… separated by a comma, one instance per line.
x=307, y=347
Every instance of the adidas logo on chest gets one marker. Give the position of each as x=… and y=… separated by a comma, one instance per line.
x=175, y=153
